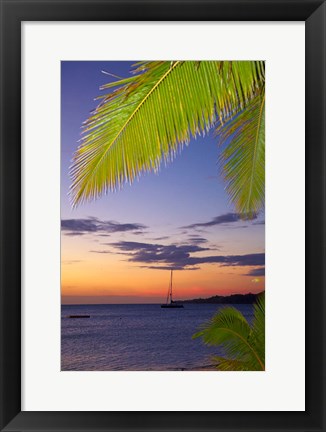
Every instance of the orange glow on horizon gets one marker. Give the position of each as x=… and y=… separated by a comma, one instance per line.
x=119, y=282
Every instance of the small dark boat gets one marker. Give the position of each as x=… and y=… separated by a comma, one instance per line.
x=79, y=316
x=170, y=304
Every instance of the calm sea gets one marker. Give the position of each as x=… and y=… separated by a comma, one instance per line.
x=136, y=337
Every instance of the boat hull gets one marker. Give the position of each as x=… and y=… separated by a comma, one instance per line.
x=174, y=306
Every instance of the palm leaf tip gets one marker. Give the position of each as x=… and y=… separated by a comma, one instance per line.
x=197, y=335
x=226, y=364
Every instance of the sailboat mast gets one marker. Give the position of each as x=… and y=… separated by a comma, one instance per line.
x=169, y=299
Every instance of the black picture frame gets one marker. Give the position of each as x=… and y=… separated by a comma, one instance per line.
x=13, y=13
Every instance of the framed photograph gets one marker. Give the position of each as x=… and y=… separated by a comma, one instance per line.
x=161, y=267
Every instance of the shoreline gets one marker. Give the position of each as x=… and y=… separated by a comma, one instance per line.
x=209, y=368
x=194, y=369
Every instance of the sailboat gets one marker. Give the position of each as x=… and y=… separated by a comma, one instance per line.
x=170, y=304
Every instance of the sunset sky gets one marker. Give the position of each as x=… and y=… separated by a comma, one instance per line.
x=119, y=249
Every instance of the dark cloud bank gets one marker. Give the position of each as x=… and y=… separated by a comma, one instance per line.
x=223, y=219
x=257, y=272
x=179, y=257
x=163, y=257
x=75, y=227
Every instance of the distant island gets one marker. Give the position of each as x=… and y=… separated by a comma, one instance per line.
x=231, y=299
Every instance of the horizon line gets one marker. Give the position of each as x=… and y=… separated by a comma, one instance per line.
x=155, y=303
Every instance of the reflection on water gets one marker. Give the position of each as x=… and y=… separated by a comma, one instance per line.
x=136, y=337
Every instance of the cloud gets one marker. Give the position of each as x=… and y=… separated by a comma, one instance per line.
x=180, y=256
x=158, y=250
x=196, y=239
x=256, y=272
x=230, y=260
x=169, y=268
x=223, y=219
x=69, y=262
x=75, y=227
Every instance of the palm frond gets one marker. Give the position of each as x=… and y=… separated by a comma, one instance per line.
x=226, y=364
x=241, y=343
x=257, y=336
x=230, y=329
x=243, y=160
x=152, y=114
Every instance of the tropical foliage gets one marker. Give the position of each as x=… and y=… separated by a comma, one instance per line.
x=150, y=115
x=243, y=344
x=243, y=159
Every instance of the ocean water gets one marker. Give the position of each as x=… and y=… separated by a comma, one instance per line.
x=136, y=337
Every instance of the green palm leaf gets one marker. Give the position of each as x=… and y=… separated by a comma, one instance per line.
x=152, y=114
x=243, y=159
x=244, y=344
x=226, y=364
x=257, y=336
